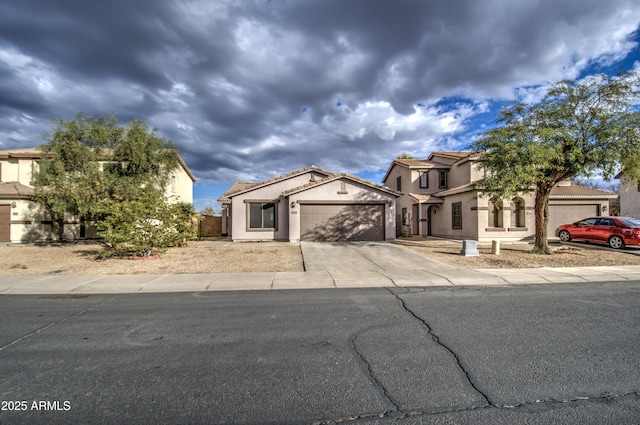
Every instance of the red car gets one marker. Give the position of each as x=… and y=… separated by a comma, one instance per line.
x=615, y=231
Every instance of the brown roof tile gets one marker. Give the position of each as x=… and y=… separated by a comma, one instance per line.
x=417, y=163
x=238, y=188
x=20, y=153
x=342, y=176
x=453, y=154
x=429, y=199
x=580, y=191
x=15, y=190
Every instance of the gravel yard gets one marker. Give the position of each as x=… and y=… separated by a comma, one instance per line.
x=518, y=254
x=198, y=257
x=228, y=257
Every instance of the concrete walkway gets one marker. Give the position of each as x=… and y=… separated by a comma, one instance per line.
x=361, y=266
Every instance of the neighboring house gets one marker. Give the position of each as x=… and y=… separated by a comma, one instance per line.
x=22, y=220
x=439, y=199
x=629, y=197
x=310, y=204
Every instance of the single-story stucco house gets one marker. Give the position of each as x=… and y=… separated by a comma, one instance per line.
x=310, y=204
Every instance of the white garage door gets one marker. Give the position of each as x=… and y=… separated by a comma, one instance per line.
x=565, y=214
x=342, y=222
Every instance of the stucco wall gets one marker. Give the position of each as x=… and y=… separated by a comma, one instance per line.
x=460, y=174
x=239, y=215
x=408, y=185
x=18, y=170
x=442, y=221
x=508, y=230
x=629, y=198
x=181, y=189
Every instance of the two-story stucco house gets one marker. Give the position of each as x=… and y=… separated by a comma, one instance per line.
x=22, y=220
x=439, y=199
x=310, y=204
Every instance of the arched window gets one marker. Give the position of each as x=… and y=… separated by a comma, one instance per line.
x=517, y=212
x=495, y=213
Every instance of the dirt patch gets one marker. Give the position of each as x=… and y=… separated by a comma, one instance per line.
x=228, y=257
x=519, y=255
x=197, y=257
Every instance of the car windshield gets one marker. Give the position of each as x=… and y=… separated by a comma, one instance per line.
x=632, y=222
x=587, y=222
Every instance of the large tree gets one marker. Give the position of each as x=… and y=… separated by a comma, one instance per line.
x=93, y=169
x=579, y=128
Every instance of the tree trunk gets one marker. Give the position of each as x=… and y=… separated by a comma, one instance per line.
x=541, y=207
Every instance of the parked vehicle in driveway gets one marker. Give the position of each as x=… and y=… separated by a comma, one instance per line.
x=615, y=231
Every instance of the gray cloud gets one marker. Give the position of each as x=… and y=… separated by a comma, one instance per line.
x=249, y=89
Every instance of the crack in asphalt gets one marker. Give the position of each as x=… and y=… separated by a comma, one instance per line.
x=364, y=364
x=436, y=339
x=607, y=396
x=397, y=413
x=409, y=414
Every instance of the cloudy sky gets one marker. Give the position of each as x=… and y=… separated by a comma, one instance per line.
x=252, y=89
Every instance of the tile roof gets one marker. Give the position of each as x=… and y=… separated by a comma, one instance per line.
x=20, y=153
x=15, y=190
x=418, y=163
x=236, y=187
x=426, y=199
x=453, y=154
x=580, y=192
x=414, y=163
x=339, y=177
x=458, y=189
x=36, y=153
x=250, y=186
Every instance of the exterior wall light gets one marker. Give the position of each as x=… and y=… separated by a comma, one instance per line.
x=14, y=205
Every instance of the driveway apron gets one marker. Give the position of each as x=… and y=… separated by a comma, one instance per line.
x=364, y=256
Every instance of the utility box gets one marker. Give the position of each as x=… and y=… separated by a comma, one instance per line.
x=470, y=248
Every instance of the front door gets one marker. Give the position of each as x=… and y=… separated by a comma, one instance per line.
x=415, y=222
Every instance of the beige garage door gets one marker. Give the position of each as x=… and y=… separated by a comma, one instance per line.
x=565, y=214
x=341, y=222
x=5, y=223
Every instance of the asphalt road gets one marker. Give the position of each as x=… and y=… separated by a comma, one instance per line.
x=560, y=354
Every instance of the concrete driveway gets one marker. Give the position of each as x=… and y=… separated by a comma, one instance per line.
x=364, y=256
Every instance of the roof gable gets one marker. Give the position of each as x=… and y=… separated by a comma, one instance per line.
x=248, y=187
x=451, y=157
x=342, y=176
x=414, y=164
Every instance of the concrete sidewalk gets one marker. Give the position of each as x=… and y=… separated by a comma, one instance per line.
x=443, y=276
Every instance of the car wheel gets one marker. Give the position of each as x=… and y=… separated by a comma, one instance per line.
x=564, y=236
x=616, y=242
